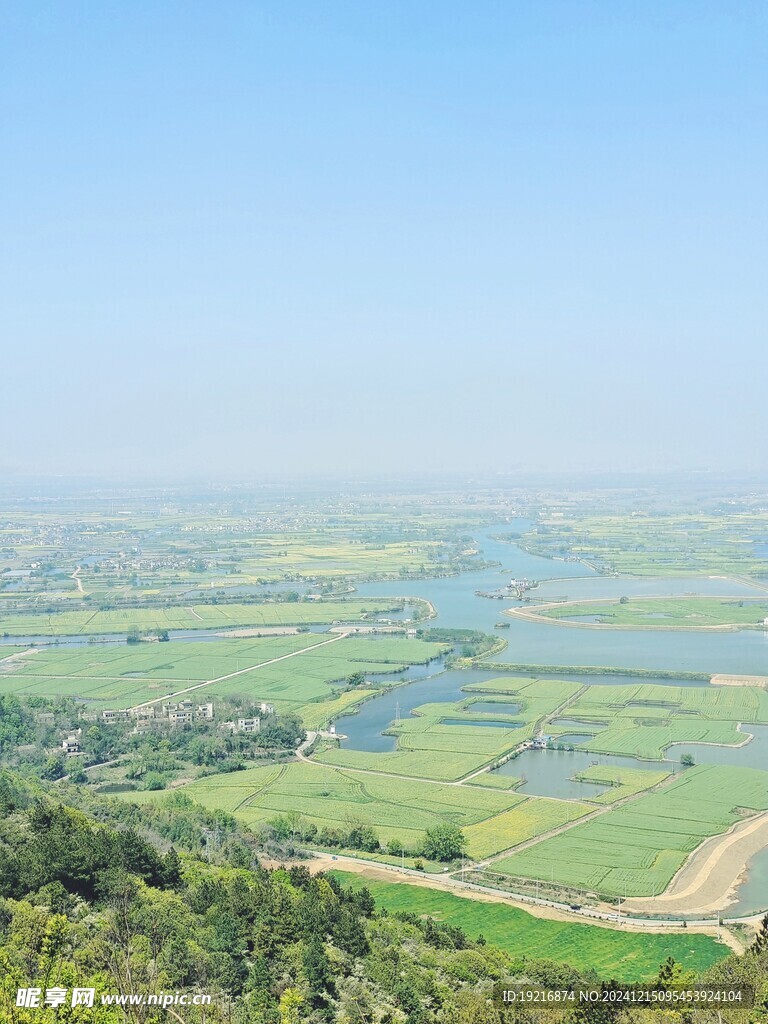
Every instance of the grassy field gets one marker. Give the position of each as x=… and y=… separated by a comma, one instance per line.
x=642, y=720
x=541, y=696
x=636, y=849
x=660, y=544
x=667, y=613
x=649, y=741
x=646, y=700
x=532, y=818
x=396, y=808
x=623, y=955
x=196, y=616
x=111, y=675
x=417, y=763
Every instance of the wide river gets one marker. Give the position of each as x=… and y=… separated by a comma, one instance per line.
x=534, y=643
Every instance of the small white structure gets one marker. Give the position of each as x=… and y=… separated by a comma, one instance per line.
x=109, y=717
x=71, y=743
x=248, y=725
x=181, y=717
x=266, y=709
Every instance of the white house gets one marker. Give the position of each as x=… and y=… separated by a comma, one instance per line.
x=248, y=725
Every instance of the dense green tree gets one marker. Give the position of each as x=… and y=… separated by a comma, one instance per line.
x=54, y=768
x=444, y=842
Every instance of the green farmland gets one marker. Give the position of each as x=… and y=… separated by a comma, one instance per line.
x=196, y=617
x=533, y=817
x=637, y=720
x=430, y=746
x=623, y=955
x=658, y=545
x=664, y=613
x=642, y=720
x=123, y=675
x=397, y=808
x=635, y=850
x=401, y=809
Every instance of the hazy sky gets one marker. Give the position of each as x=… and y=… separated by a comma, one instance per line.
x=241, y=238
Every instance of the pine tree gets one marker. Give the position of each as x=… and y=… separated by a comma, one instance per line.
x=760, y=945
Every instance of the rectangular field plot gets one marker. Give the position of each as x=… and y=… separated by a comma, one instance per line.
x=533, y=817
x=636, y=849
x=626, y=956
x=538, y=694
x=420, y=764
x=647, y=700
x=431, y=750
x=331, y=798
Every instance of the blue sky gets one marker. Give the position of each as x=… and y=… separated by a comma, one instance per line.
x=253, y=238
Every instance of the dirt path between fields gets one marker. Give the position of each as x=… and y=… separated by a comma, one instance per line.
x=6, y=664
x=707, y=881
x=76, y=577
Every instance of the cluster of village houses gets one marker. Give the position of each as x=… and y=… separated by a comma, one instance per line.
x=183, y=712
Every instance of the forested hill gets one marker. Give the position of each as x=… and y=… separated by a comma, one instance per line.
x=99, y=904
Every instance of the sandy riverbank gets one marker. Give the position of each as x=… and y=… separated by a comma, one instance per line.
x=707, y=882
